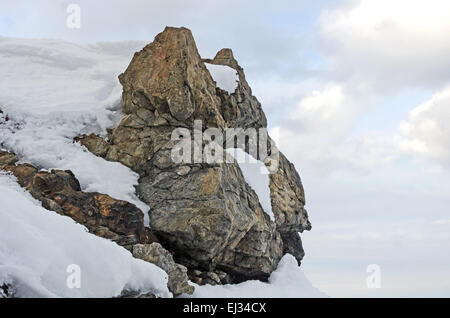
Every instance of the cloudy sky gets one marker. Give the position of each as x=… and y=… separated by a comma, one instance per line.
x=359, y=91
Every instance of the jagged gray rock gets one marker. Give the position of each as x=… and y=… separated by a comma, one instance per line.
x=242, y=109
x=156, y=254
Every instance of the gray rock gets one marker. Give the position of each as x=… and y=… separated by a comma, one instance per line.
x=292, y=244
x=213, y=276
x=135, y=294
x=154, y=253
x=7, y=291
x=196, y=272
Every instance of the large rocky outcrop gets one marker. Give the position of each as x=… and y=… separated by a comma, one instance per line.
x=205, y=214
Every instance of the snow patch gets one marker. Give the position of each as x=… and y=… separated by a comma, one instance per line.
x=287, y=281
x=256, y=175
x=37, y=246
x=225, y=77
x=54, y=90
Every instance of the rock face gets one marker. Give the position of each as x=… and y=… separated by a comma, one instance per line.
x=288, y=200
x=204, y=213
x=156, y=254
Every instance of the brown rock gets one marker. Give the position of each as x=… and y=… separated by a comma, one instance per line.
x=97, y=145
x=7, y=158
x=104, y=216
x=241, y=109
x=154, y=253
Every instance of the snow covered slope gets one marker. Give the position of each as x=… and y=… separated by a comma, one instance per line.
x=38, y=246
x=53, y=91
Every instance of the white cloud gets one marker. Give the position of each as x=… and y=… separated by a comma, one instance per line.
x=321, y=126
x=329, y=109
x=441, y=222
x=371, y=150
x=318, y=124
x=215, y=25
x=373, y=49
x=426, y=134
x=392, y=43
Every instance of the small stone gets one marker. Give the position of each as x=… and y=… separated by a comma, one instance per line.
x=6, y=291
x=213, y=276
x=154, y=253
x=135, y=294
x=209, y=281
x=94, y=143
x=183, y=170
x=196, y=272
x=7, y=158
x=222, y=275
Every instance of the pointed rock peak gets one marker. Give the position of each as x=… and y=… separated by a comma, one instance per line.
x=182, y=36
x=225, y=57
x=168, y=76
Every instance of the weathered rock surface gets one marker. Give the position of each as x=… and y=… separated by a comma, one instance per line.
x=240, y=109
x=135, y=294
x=216, y=277
x=60, y=191
x=6, y=291
x=288, y=200
x=7, y=158
x=205, y=214
x=156, y=254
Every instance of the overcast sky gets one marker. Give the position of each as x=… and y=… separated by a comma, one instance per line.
x=359, y=91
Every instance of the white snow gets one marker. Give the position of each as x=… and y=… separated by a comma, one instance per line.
x=256, y=175
x=55, y=90
x=37, y=246
x=287, y=281
x=225, y=77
